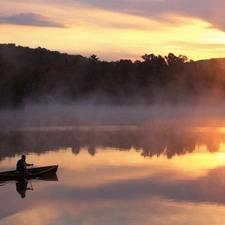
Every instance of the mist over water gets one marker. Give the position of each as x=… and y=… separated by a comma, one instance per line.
x=91, y=115
x=154, y=130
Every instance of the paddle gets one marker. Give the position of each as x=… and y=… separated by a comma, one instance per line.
x=31, y=168
x=31, y=186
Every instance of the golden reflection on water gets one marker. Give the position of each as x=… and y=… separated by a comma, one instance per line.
x=145, y=211
x=130, y=162
x=111, y=165
x=120, y=186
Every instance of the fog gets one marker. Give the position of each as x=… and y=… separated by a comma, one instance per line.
x=36, y=115
x=151, y=130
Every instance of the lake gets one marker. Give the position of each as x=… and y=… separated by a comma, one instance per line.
x=121, y=166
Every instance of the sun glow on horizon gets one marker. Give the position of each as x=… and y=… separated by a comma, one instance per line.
x=192, y=165
x=126, y=36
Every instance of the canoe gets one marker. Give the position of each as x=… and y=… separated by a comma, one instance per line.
x=38, y=172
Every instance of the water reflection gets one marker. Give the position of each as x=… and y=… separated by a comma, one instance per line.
x=121, y=187
x=138, y=175
x=21, y=187
x=168, y=141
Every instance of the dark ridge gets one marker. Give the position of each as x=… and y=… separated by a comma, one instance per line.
x=43, y=76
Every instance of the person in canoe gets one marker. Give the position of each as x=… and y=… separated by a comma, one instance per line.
x=21, y=166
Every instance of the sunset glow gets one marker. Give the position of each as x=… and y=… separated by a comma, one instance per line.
x=201, y=162
x=118, y=30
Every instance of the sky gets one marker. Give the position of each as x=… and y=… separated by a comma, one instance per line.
x=117, y=29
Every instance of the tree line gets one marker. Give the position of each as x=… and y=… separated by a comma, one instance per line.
x=41, y=75
x=160, y=142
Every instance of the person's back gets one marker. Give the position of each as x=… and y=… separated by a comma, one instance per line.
x=20, y=166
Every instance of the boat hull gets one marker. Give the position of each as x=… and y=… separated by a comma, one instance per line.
x=38, y=172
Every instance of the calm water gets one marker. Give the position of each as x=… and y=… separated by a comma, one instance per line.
x=117, y=174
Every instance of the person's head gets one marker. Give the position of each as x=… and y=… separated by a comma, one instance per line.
x=23, y=157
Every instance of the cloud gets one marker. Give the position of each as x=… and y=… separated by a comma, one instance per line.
x=30, y=19
x=197, y=45
x=158, y=10
x=207, y=10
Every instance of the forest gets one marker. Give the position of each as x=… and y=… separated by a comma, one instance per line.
x=43, y=76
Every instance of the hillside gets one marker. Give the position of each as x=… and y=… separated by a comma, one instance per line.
x=41, y=75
